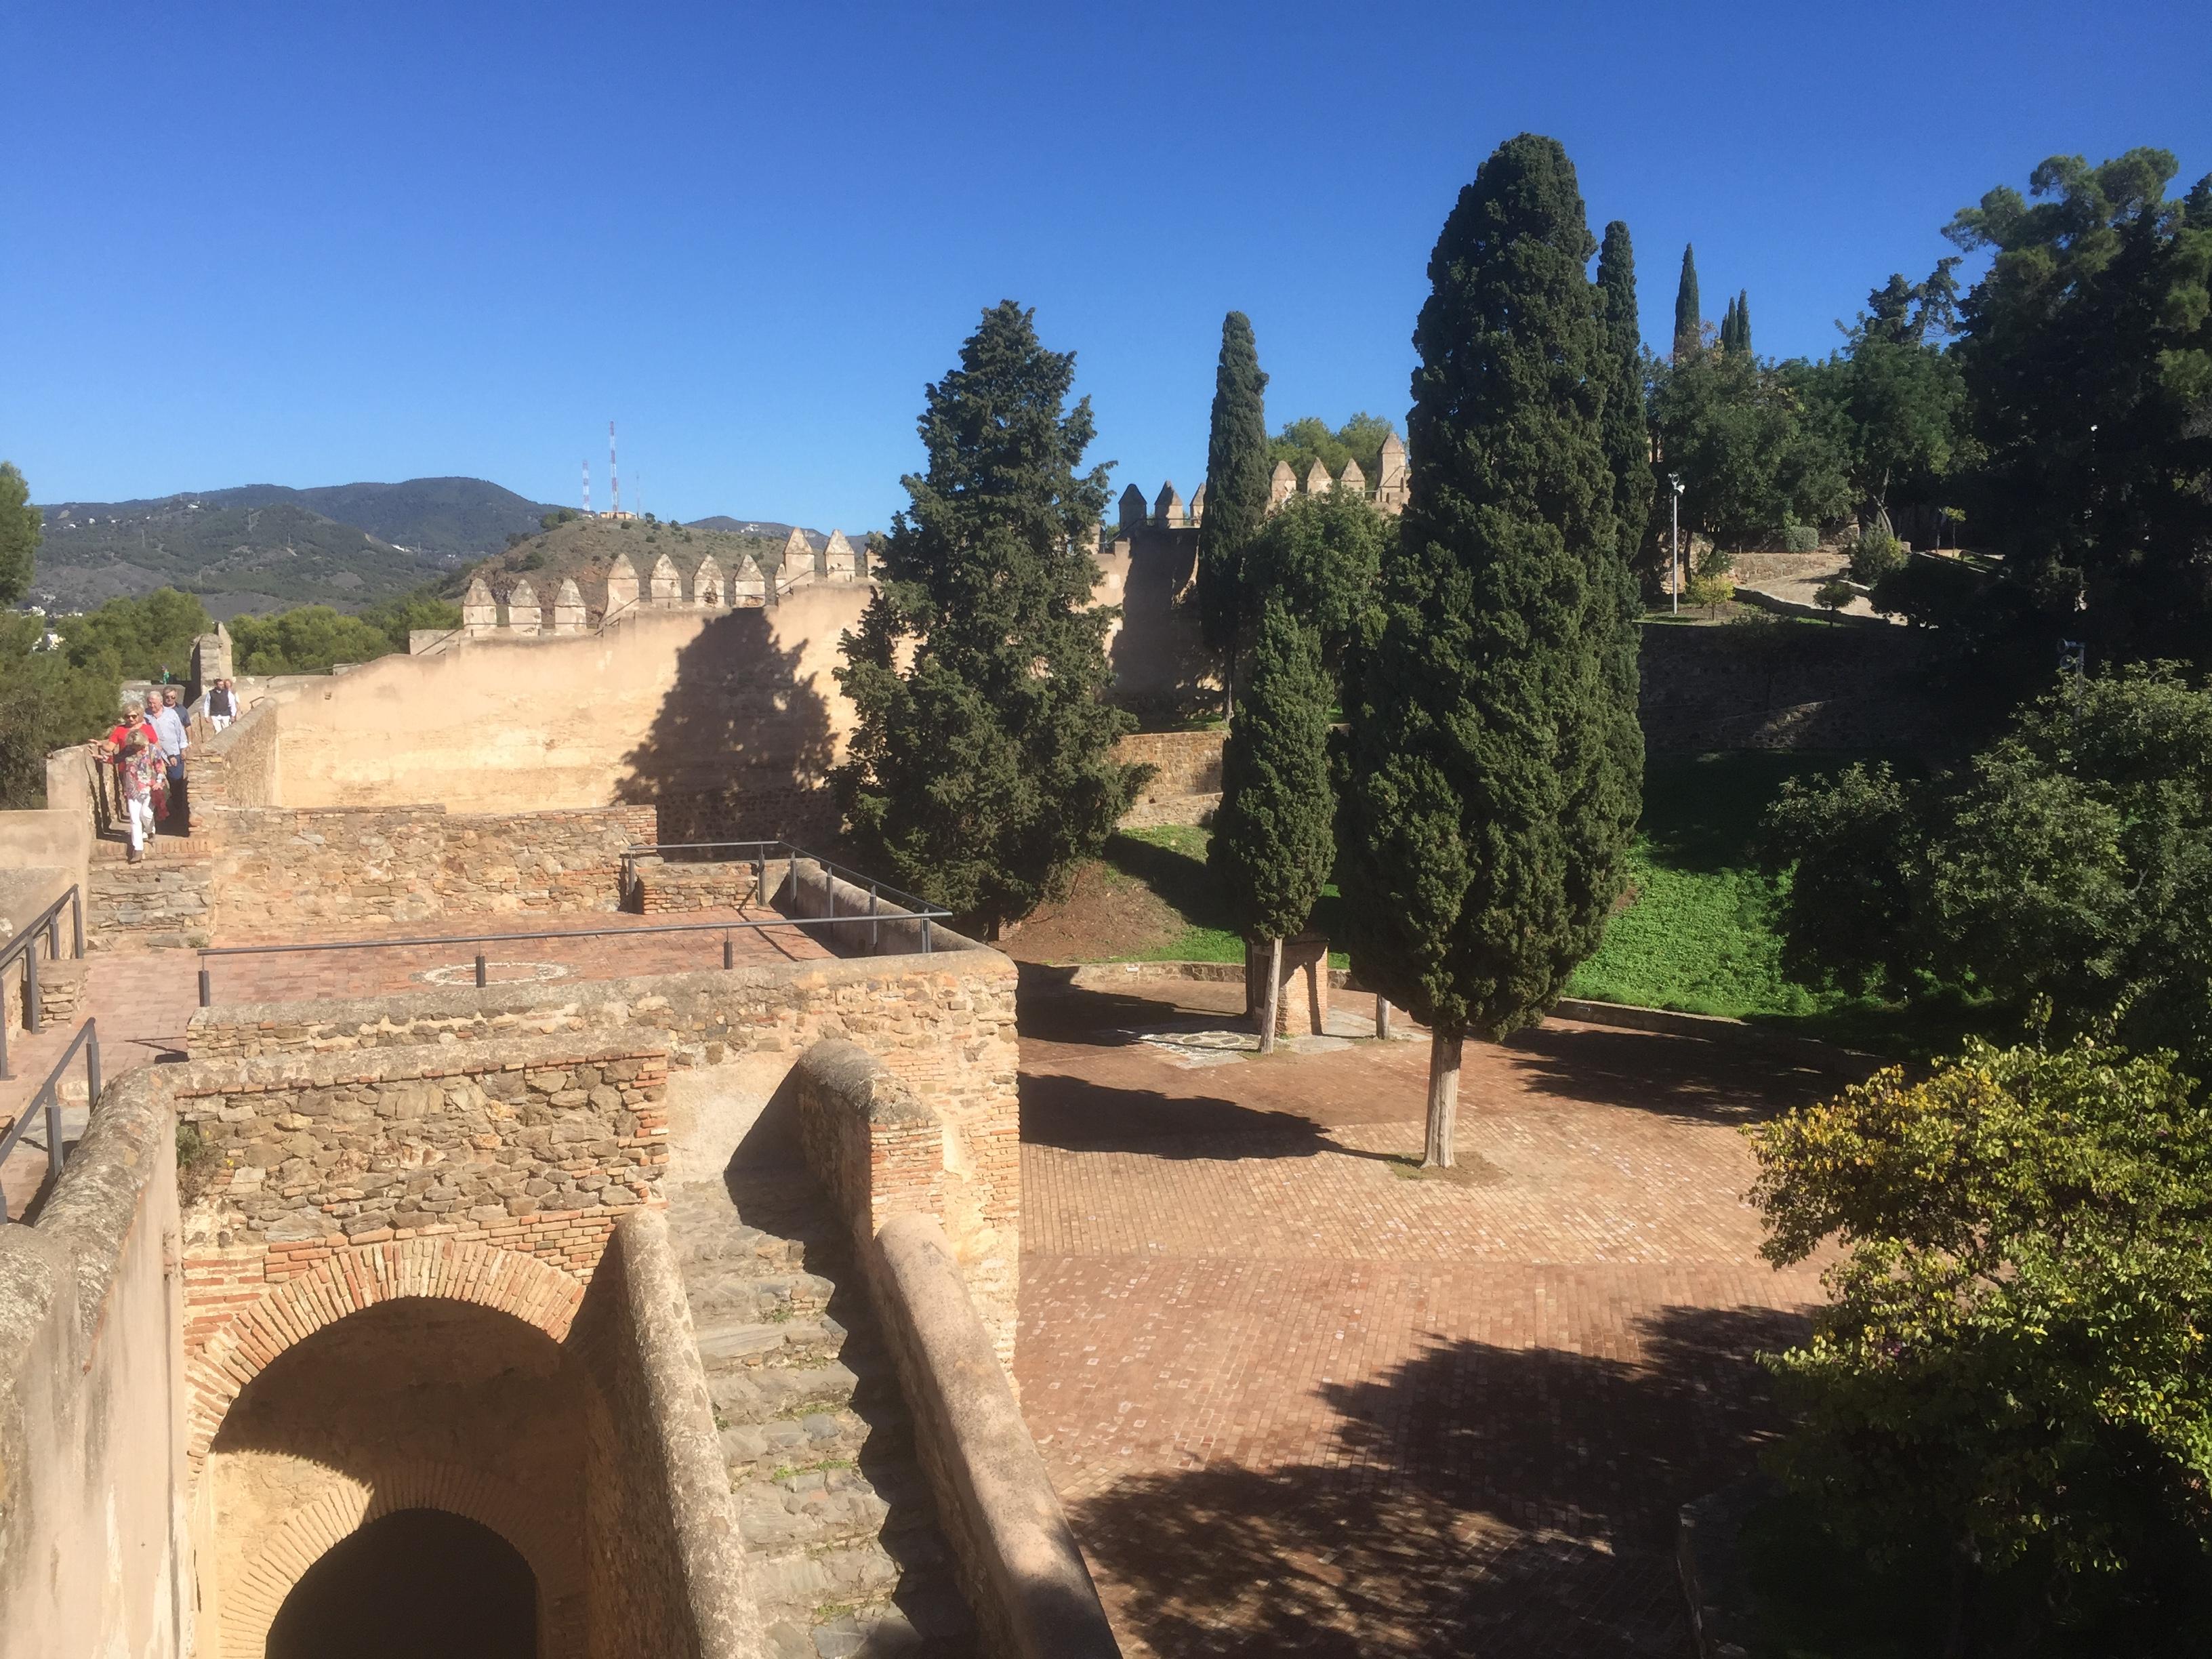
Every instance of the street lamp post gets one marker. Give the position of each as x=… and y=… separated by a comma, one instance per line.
x=1674, y=508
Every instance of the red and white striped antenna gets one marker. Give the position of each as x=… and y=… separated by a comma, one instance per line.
x=587, y=486
x=614, y=478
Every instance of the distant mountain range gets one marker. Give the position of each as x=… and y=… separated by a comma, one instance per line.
x=263, y=547
x=260, y=547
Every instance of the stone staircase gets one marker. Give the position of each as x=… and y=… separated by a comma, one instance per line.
x=163, y=899
x=838, y=1519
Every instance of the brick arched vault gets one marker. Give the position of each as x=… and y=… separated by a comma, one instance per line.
x=347, y=1281
x=250, y=1607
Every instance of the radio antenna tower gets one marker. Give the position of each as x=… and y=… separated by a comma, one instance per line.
x=587, y=486
x=614, y=478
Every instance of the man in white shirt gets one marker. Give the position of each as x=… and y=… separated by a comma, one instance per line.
x=168, y=723
x=221, y=706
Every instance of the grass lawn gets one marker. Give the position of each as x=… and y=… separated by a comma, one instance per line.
x=1170, y=861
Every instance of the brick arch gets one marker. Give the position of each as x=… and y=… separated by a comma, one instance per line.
x=347, y=1281
x=305, y=1537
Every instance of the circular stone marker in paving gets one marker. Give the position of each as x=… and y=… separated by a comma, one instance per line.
x=496, y=973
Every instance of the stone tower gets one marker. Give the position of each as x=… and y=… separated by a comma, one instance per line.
x=1392, y=477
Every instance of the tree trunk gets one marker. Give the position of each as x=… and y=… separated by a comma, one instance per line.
x=1269, y=1003
x=1382, y=1016
x=1443, y=1098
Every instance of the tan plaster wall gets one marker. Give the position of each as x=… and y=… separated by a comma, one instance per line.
x=660, y=703
x=92, y=1544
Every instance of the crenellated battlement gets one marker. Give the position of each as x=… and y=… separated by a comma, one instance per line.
x=522, y=612
x=1386, y=494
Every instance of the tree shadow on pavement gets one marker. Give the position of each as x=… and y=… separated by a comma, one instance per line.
x=1076, y=1115
x=1703, y=1081
x=1479, y=1499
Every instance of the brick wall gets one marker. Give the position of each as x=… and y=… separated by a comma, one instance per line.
x=277, y=868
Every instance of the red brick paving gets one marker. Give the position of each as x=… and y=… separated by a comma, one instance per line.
x=1298, y=1399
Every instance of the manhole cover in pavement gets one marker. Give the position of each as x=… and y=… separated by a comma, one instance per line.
x=496, y=973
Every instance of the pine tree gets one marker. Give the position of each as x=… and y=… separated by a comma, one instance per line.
x=1627, y=441
x=1273, y=839
x=980, y=775
x=1689, y=322
x=1496, y=764
x=21, y=526
x=1237, y=464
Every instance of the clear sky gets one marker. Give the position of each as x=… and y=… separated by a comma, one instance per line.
x=314, y=244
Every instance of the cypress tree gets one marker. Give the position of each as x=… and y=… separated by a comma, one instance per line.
x=980, y=775
x=1743, y=321
x=1237, y=464
x=1627, y=439
x=1689, y=322
x=1273, y=838
x=1728, y=327
x=1496, y=764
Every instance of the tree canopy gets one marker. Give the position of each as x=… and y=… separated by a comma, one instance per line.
x=2087, y=356
x=21, y=526
x=981, y=773
x=1627, y=438
x=1237, y=464
x=1274, y=841
x=1757, y=446
x=1495, y=760
x=2070, y=864
x=1689, y=318
x=1309, y=439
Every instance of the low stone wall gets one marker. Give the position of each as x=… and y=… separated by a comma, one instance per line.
x=1019, y=1565
x=276, y=868
x=239, y=766
x=667, y=1564
x=94, y=1555
x=164, y=899
x=1187, y=785
x=656, y=886
x=1784, y=685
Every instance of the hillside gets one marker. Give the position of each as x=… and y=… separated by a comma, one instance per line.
x=260, y=547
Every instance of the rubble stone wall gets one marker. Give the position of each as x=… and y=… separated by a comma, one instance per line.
x=278, y=869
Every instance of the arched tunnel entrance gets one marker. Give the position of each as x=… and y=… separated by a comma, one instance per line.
x=420, y=1583
x=407, y=1479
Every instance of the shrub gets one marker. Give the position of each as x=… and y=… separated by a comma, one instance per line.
x=2012, y=1357
x=1832, y=595
x=1799, y=537
x=1874, y=555
x=1712, y=592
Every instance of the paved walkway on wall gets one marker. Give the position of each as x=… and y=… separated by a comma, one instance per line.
x=1299, y=1398
x=143, y=999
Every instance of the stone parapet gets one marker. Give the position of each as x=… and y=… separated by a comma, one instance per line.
x=278, y=868
x=657, y=886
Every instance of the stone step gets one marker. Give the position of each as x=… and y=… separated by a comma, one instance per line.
x=769, y=1296
x=792, y=1587
x=761, y=1395
x=729, y=1342
x=818, y=1509
x=756, y=1451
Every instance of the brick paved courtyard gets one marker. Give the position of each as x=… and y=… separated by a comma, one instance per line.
x=1297, y=1397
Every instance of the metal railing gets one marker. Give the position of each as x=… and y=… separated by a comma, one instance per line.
x=48, y=1103
x=873, y=918
x=24, y=945
x=759, y=853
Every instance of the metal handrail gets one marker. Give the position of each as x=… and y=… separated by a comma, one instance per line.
x=48, y=921
x=48, y=1097
x=764, y=850
x=873, y=917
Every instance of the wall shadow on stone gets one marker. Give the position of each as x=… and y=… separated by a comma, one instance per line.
x=1075, y=1114
x=1479, y=1498
x=1677, y=1077
x=741, y=747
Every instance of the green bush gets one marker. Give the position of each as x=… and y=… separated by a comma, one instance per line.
x=1874, y=555
x=1799, y=537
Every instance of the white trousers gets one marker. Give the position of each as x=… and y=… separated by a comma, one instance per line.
x=139, y=816
x=219, y=721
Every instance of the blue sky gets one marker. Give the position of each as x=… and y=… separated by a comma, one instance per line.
x=316, y=244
